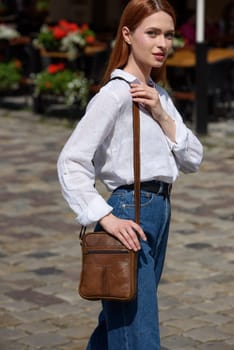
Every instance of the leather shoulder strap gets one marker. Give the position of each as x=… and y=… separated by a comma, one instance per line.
x=119, y=78
x=137, y=165
x=136, y=153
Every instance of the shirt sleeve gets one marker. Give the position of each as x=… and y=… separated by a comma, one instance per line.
x=187, y=149
x=76, y=171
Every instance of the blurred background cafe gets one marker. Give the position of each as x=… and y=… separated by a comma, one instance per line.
x=48, y=44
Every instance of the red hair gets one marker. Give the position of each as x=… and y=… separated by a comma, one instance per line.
x=134, y=13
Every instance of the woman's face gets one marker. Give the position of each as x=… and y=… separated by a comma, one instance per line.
x=151, y=41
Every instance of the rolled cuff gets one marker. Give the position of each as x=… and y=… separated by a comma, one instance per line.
x=181, y=138
x=97, y=209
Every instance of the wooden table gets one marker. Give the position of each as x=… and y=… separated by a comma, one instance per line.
x=220, y=72
x=20, y=41
x=185, y=58
x=89, y=50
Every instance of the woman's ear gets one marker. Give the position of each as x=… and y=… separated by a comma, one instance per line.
x=126, y=35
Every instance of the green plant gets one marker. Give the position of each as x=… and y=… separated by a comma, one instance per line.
x=42, y=5
x=47, y=40
x=10, y=74
x=58, y=80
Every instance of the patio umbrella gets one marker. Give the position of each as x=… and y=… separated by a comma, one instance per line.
x=201, y=70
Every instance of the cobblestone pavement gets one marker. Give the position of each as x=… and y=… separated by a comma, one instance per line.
x=40, y=253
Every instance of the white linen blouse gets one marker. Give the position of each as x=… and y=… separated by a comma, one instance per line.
x=101, y=146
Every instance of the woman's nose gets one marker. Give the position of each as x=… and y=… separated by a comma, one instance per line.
x=161, y=41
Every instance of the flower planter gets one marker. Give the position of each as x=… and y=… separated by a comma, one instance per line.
x=49, y=104
x=59, y=81
x=65, y=37
x=60, y=86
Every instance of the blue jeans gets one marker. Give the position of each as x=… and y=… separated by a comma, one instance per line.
x=134, y=325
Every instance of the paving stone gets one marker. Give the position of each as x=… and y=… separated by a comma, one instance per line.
x=216, y=319
x=211, y=306
x=216, y=346
x=47, y=271
x=34, y=297
x=78, y=345
x=7, y=320
x=230, y=341
x=166, y=331
x=178, y=342
x=12, y=345
x=44, y=339
x=205, y=334
x=186, y=324
x=32, y=315
x=11, y=333
x=181, y=313
x=42, y=254
x=79, y=332
x=40, y=325
x=14, y=306
x=228, y=328
x=61, y=309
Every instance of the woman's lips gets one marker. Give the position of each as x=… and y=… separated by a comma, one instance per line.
x=159, y=56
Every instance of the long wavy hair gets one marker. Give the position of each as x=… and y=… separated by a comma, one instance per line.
x=134, y=13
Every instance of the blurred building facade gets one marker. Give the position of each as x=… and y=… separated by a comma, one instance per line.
x=105, y=13
x=102, y=15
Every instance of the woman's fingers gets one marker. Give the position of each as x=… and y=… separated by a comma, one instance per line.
x=143, y=91
x=131, y=234
x=127, y=231
x=139, y=231
x=129, y=239
x=144, y=94
x=148, y=96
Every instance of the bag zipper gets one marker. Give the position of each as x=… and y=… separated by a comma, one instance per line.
x=107, y=252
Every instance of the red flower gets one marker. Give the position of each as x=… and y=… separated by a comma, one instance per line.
x=58, y=32
x=64, y=24
x=54, y=68
x=90, y=39
x=68, y=27
x=73, y=27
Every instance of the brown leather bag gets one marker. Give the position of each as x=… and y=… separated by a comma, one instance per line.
x=109, y=269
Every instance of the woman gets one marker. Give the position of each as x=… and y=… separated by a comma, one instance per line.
x=101, y=145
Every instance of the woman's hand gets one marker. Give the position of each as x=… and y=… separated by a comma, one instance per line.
x=126, y=231
x=148, y=96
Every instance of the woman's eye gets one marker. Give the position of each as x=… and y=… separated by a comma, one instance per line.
x=152, y=33
x=169, y=36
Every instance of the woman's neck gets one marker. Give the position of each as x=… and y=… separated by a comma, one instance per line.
x=142, y=73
